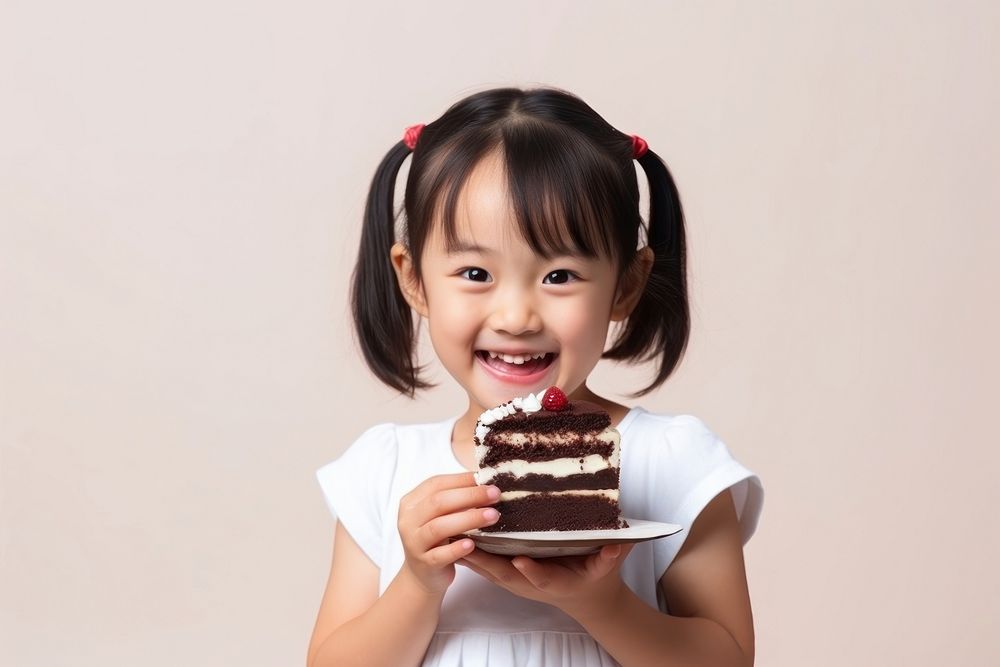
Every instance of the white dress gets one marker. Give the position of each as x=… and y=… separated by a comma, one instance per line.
x=671, y=467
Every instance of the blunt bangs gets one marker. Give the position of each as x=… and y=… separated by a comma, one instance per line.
x=566, y=194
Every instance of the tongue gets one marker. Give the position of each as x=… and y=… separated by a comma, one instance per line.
x=527, y=368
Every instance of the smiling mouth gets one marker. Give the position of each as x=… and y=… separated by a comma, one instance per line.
x=529, y=367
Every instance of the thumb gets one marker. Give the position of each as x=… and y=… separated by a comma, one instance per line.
x=611, y=551
x=608, y=558
x=603, y=561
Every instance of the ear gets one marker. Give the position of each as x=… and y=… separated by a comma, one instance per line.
x=406, y=276
x=632, y=284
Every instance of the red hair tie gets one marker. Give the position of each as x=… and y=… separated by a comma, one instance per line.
x=639, y=146
x=412, y=134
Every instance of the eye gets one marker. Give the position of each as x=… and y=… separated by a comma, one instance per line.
x=560, y=276
x=476, y=274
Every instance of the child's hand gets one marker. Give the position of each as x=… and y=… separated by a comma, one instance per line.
x=573, y=584
x=440, y=507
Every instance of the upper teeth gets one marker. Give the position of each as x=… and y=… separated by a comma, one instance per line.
x=516, y=358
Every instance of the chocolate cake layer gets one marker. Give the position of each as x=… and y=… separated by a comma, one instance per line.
x=557, y=470
x=535, y=451
x=579, y=417
x=542, y=511
x=602, y=479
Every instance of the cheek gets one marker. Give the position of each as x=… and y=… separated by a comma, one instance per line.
x=452, y=322
x=582, y=325
x=449, y=345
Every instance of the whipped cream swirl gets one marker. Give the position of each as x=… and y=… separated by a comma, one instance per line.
x=529, y=403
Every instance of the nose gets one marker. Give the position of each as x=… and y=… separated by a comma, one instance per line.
x=514, y=313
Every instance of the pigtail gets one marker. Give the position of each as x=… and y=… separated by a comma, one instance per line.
x=660, y=324
x=383, y=320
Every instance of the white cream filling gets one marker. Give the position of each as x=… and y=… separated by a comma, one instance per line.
x=611, y=494
x=556, y=467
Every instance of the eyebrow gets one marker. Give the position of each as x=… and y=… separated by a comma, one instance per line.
x=461, y=246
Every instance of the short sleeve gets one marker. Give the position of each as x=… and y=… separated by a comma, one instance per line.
x=685, y=466
x=357, y=485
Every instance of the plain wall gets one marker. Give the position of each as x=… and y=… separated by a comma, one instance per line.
x=181, y=188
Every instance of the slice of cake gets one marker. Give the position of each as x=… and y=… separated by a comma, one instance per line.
x=555, y=461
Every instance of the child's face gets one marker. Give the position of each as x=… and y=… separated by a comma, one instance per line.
x=504, y=298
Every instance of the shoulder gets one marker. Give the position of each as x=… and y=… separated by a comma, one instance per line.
x=668, y=434
x=377, y=440
x=649, y=419
x=386, y=446
x=356, y=484
x=372, y=450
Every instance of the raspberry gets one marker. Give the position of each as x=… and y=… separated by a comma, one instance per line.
x=554, y=399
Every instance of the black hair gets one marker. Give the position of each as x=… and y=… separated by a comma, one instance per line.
x=574, y=190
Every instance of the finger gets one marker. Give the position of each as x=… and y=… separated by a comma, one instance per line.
x=583, y=565
x=485, y=574
x=439, y=483
x=448, y=553
x=500, y=568
x=626, y=549
x=607, y=559
x=442, y=527
x=601, y=563
x=591, y=566
x=610, y=552
x=450, y=501
x=542, y=576
x=487, y=560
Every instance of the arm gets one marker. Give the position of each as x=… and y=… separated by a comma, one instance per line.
x=710, y=621
x=358, y=627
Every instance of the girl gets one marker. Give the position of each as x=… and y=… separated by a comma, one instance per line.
x=520, y=247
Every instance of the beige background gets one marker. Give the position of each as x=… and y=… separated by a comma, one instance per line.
x=181, y=187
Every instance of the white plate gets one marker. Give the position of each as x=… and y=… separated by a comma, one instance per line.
x=549, y=543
